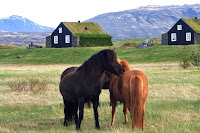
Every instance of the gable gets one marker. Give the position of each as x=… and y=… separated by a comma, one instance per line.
x=193, y=23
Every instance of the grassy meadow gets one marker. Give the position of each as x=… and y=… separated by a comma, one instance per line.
x=173, y=103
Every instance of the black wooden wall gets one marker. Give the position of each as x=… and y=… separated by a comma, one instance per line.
x=61, y=37
x=181, y=34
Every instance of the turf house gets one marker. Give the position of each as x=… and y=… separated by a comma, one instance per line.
x=184, y=32
x=76, y=34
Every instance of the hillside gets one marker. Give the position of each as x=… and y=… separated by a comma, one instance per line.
x=23, y=38
x=148, y=21
x=72, y=55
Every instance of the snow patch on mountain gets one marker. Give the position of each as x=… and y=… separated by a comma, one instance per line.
x=16, y=23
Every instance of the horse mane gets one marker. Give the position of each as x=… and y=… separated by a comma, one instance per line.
x=125, y=65
x=97, y=60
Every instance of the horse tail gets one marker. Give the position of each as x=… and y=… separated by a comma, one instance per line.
x=136, y=97
x=70, y=111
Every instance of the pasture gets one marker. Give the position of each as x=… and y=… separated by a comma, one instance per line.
x=173, y=103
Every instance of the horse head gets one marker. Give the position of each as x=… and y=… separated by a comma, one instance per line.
x=111, y=64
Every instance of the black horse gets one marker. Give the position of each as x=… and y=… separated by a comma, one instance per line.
x=85, y=85
x=72, y=70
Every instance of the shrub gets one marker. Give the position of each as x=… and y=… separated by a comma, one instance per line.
x=19, y=85
x=30, y=84
x=91, y=40
x=184, y=59
x=195, y=57
x=185, y=63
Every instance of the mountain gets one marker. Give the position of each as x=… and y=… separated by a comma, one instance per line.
x=16, y=23
x=147, y=21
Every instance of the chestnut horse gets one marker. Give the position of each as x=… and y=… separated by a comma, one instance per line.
x=131, y=89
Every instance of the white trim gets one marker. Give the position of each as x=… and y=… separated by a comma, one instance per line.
x=179, y=27
x=188, y=36
x=173, y=37
x=55, y=39
x=60, y=30
x=67, y=38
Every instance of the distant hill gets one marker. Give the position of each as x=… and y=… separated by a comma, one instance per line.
x=22, y=38
x=147, y=21
x=16, y=23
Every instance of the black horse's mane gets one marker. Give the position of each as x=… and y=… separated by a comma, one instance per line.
x=97, y=60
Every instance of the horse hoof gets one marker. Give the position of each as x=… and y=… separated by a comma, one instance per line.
x=77, y=128
x=65, y=124
x=98, y=128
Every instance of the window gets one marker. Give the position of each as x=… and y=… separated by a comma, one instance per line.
x=188, y=36
x=67, y=38
x=55, y=39
x=179, y=27
x=173, y=37
x=60, y=30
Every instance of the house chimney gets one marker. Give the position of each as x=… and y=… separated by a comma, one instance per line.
x=85, y=28
x=79, y=21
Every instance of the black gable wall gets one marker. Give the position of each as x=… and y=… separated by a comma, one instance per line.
x=61, y=37
x=181, y=34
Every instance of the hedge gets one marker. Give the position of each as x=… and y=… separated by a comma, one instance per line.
x=92, y=40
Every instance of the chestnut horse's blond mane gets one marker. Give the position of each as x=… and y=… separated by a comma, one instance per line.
x=125, y=65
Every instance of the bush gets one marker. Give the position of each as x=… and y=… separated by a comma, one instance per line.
x=195, y=57
x=185, y=63
x=184, y=58
x=31, y=84
x=91, y=40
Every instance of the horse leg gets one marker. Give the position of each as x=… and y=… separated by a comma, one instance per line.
x=143, y=120
x=125, y=110
x=65, y=112
x=75, y=114
x=96, y=115
x=114, y=104
x=80, y=118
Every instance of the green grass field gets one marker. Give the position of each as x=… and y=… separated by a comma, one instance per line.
x=173, y=103
x=80, y=54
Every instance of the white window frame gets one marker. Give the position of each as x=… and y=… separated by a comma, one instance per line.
x=188, y=36
x=55, y=39
x=173, y=37
x=60, y=30
x=179, y=27
x=67, y=38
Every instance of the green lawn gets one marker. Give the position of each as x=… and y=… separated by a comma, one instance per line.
x=79, y=55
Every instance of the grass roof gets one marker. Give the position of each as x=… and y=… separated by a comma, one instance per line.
x=84, y=28
x=193, y=23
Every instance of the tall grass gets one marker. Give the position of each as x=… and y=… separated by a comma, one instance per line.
x=30, y=84
x=173, y=103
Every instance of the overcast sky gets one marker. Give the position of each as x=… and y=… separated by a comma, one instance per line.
x=52, y=12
